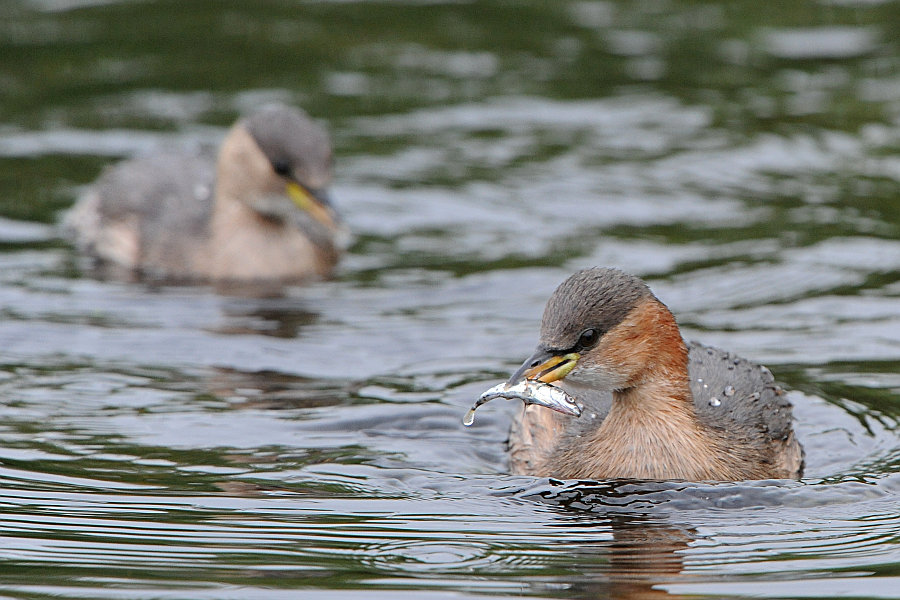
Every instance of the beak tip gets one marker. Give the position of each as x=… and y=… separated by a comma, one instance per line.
x=516, y=378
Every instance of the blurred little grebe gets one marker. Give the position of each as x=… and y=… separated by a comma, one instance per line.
x=654, y=406
x=259, y=211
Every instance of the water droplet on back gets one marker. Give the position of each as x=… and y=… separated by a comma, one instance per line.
x=714, y=402
x=729, y=390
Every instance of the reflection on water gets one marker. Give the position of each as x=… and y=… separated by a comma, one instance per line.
x=162, y=441
x=642, y=555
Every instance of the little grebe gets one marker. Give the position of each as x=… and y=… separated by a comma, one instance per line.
x=260, y=211
x=654, y=406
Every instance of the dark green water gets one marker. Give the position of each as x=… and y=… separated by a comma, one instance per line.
x=744, y=158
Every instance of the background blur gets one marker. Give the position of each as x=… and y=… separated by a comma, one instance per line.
x=166, y=442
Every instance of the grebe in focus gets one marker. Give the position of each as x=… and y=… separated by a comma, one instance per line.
x=652, y=406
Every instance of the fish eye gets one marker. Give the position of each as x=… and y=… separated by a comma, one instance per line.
x=281, y=167
x=588, y=338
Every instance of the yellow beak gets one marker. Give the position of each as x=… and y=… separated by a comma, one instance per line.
x=305, y=201
x=553, y=368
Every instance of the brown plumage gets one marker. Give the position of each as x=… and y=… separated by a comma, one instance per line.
x=655, y=407
x=258, y=211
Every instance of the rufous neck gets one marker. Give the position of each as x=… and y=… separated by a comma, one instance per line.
x=664, y=380
x=656, y=397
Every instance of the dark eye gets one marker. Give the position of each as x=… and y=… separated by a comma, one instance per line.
x=588, y=338
x=282, y=167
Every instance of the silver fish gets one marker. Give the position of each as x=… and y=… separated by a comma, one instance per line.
x=529, y=392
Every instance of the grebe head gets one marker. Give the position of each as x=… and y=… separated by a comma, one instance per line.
x=279, y=162
x=602, y=328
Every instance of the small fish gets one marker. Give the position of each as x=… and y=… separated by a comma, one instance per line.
x=529, y=392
